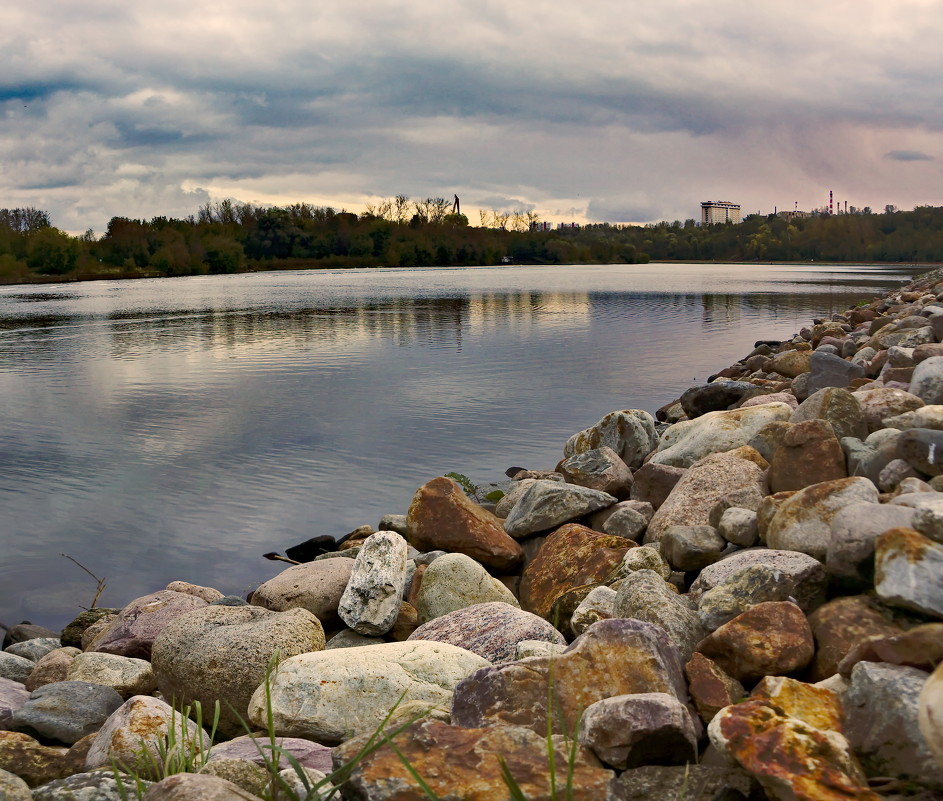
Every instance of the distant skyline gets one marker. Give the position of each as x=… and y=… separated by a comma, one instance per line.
x=606, y=112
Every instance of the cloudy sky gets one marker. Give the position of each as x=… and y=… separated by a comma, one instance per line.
x=607, y=110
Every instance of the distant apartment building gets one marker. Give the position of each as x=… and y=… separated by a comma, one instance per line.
x=719, y=211
x=794, y=215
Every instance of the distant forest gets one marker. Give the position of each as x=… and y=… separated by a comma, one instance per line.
x=230, y=237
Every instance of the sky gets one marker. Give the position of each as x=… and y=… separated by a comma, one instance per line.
x=603, y=111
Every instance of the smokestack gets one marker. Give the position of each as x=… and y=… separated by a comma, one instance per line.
x=830, y=205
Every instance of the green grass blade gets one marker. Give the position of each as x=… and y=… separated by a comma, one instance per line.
x=517, y=794
x=413, y=772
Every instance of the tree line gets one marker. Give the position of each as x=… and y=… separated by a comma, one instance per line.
x=231, y=237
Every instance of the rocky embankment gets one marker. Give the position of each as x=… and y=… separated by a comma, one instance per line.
x=740, y=600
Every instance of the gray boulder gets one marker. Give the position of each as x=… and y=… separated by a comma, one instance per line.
x=691, y=547
x=881, y=722
x=907, y=570
x=644, y=595
x=850, y=554
x=222, y=653
x=94, y=786
x=599, y=469
x=34, y=649
x=827, y=370
x=739, y=591
x=548, y=504
x=456, y=581
x=927, y=380
x=15, y=668
x=630, y=433
x=804, y=576
x=65, y=711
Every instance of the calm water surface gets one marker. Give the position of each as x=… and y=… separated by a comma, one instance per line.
x=179, y=428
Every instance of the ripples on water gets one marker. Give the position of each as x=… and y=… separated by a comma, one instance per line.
x=178, y=428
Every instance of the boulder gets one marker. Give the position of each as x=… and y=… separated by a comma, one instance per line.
x=600, y=469
x=133, y=631
x=196, y=787
x=13, y=788
x=65, y=711
x=12, y=696
x=716, y=396
x=685, y=443
x=125, y=675
x=691, y=547
x=881, y=722
x=806, y=577
x=627, y=519
x=329, y=696
x=467, y=763
x=15, y=668
x=711, y=687
x=690, y=782
x=597, y=605
x=920, y=448
x=789, y=758
x=548, y=504
x=630, y=433
x=791, y=363
x=72, y=633
x=907, y=570
x=817, y=706
x=930, y=714
x=840, y=625
x=456, y=581
x=627, y=731
x=572, y=556
x=849, y=558
x=370, y=602
x=741, y=591
x=803, y=522
x=654, y=482
x=135, y=734
x=35, y=764
x=920, y=647
x=770, y=639
x=927, y=381
x=808, y=454
x=316, y=586
x=34, y=649
x=491, y=630
x=256, y=749
x=53, y=667
x=613, y=657
x=738, y=526
x=644, y=595
x=828, y=370
x=703, y=485
x=883, y=402
x=222, y=653
x=441, y=517
x=837, y=406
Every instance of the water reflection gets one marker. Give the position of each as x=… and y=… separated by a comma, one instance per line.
x=178, y=428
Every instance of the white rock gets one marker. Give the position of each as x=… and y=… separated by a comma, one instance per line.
x=715, y=432
x=455, y=581
x=371, y=601
x=331, y=695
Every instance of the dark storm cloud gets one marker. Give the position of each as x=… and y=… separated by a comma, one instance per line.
x=138, y=109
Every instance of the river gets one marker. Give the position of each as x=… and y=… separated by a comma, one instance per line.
x=178, y=428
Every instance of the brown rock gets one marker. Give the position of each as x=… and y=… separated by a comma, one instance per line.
x=808, y=454
x=791, y=363
x=407, y=621
x=792, y=760
x=316, y=586
x=654, y=482
x=705, y=483
x=613, y=657
x=817, y=706
x=769, y=639
x=840, y=625
x=711, y=688
x=464, y=763
x=415, y=584
x=572, y=556
x=35, y=764
x=51, y=667
x=920, y=647
x=441, y=517
x=885, y=402
x=134, y=630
